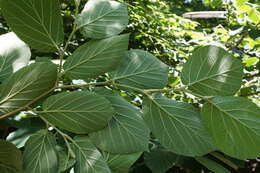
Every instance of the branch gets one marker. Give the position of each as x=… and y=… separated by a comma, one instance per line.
x=62, y=53
x=65, y=136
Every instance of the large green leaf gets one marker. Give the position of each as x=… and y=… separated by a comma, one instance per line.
x=88, y=158
x=10, y=158
x=126, y=132
x=233, y=123
x=212, y=165
x=27, y=84
x=102, y=18
x=142, y=70
x=40, y=154
x=79, y=112
x=211, y=71
x=120, y=163
x=159, y=160
x=14, y=54
x=177, y=126
x=36, y=22
x=96, y=57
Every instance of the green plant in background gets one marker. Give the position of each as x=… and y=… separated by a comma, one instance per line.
x=79, y=114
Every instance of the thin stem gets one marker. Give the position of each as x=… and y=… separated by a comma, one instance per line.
x=224, y=160
x=62, y=53
x=144, y=92
x=65, y=136
x=28, y=104
x=85, y=85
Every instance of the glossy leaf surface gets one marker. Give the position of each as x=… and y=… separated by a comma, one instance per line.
x=212, y=71
x=102, y=18
x=14, y=54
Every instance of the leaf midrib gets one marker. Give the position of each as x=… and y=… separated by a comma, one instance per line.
x=96, y=19
x=232, y=117
x=212, y=76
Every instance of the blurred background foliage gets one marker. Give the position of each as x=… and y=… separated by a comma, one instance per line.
x=158, y=27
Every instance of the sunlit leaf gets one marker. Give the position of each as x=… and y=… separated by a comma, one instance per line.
x=233, y=123
x=102, y=18
x=212, y=71
x=14, y=54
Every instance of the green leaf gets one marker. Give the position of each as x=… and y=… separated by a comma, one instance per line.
x=79, y=112
x=14, y=54
x=211, y=71
x=96, y=57
x=120, y=163
x=40, y=154
x=177, y=126
x=142, y=70
x=126, y=132
x=22, y=134
x=36, y=22
x=65, y=161
x=26, y=85
x=159, y=160
x=233, y=123
x=212, y=165
x=88, y=158
x=10, y=158
x=102, y=18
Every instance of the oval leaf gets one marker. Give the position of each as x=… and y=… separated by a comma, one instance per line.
x=26, y=85
x=211, y=71
x=40, y=154
x=79, y=112
x=102, y=18
x=88, y=158
x=14, y=54
x=10, y=158
x=233, y=123
x=177, y=126
x=126, y=132
x=141, y=69
x=96, y=57
x=36, y=22
x=120, y=163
